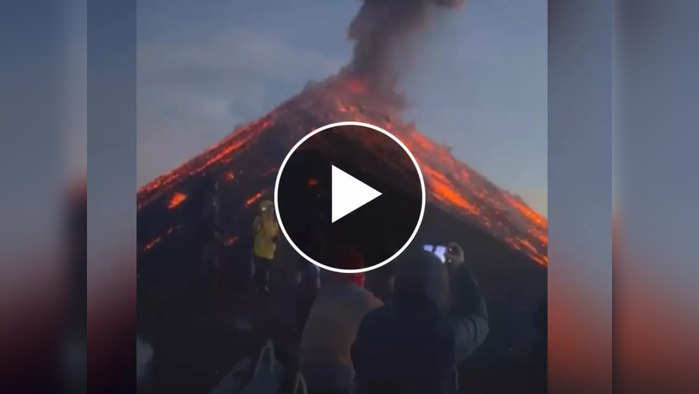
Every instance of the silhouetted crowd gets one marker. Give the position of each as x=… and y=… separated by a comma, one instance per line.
x=404, y=329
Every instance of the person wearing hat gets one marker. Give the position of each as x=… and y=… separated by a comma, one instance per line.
x=265, y=232
x=331, y=327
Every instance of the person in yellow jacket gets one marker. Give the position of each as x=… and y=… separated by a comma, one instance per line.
x=265, y=232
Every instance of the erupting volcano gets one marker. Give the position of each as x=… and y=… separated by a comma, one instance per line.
x=209, y=202
x=253, y=153
x=363, y=91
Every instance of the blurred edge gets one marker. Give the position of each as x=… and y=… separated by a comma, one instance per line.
x=111, y=196
x=580, y=208
x=656, y=190
x=42, y=210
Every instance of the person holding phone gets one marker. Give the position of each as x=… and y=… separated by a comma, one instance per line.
x=416, y=344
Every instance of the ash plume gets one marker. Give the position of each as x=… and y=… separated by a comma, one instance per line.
x=384, y=31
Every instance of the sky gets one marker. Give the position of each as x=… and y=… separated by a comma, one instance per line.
x=477, y=84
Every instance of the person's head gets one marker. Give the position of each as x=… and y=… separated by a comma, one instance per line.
x=421, y=276
x=345, y=258
x=454, y=254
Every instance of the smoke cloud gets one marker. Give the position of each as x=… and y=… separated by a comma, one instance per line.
x=384, y=32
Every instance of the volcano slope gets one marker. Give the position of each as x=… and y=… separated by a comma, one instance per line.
x=194, y=237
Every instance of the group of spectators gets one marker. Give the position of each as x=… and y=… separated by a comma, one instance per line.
x=407, y=332
x=411, y=341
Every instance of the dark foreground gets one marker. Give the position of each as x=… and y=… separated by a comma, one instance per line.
x=200, y=322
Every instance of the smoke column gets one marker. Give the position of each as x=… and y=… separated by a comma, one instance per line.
x=383, y=30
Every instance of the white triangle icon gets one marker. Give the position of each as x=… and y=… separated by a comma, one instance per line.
x=348, y=193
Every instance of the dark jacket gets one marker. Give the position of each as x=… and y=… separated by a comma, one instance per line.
x=415, y=344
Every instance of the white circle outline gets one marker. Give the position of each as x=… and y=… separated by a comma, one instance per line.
x=422, y=205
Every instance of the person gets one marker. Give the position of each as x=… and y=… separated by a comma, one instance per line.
x=332, y=324
x=468, y=310
x=380, y=282
x=265, y=232
x=454, y=256
x=415, y=344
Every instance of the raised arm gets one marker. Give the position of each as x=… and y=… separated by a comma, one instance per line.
x=469, y=314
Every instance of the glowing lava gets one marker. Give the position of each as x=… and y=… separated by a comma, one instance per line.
x=177, y=199
x=452, y=185
x=253, y=199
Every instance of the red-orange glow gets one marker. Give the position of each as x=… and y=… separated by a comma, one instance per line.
x=527, y=245
x=253, y=199
x=234, y=145
x=527, y=248
x=527, y=212
x=541, y=260
x=151, y=244
x=355, y=86
x=442, y=189
x=223, y=153
x=176, y=199
x=346, y=108
x=513, y=242
x=218, y=153
x=230, y=241
x=157, y=240
x=434, y=175
x=422, y=141
x=270, y=171
x=445, y=193
x=451, y=185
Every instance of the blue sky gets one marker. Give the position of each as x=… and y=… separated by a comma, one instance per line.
x=478, y=83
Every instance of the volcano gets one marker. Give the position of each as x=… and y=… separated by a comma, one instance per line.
x=194, y=229
x=240, y=170
x=206, y=206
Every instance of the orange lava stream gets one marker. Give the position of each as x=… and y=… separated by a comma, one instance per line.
x=151, y=244
x=218, y=153
x=525, y=210
x=177, y=199
x=252, y=199
x=450, y=182
x=442, y=189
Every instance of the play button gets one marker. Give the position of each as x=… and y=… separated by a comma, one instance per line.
x=348, y=193
x=349, y=186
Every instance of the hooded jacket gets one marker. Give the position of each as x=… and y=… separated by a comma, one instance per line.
x=415, y=344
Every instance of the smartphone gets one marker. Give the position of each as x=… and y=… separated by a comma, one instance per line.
x=437, y=250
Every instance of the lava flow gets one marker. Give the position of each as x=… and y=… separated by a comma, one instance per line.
x=240, y=170
x=451, y=184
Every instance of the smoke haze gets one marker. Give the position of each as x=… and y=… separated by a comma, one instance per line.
x=384, y=31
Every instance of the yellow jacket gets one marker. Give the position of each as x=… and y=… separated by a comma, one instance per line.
x=265, y=231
